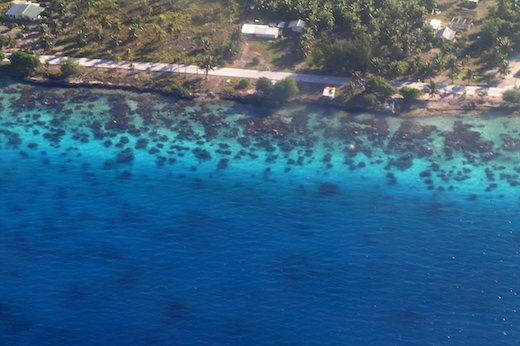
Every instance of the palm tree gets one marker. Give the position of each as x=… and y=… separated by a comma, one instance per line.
x=132, y=33
x=470, y=75
x=431, y=88
x=357, y=79
x=453, y=74
x=504, y=69
x=207, y=64
x=505, y=46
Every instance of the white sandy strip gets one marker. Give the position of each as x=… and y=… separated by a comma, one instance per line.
x=193, y=69
x=254, y=74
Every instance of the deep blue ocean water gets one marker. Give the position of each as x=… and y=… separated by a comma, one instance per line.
x=130, y=219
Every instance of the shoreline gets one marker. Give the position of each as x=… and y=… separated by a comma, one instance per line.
x=451, y=104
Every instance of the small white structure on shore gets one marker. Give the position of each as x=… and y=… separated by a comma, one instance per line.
x=260, y=31
x=296, y=26
x=329, y=92
x=29, y=11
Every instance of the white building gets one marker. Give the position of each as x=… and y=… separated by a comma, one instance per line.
x=260, y=31
x=446, y=33
x=296, y=25
x=29, y=11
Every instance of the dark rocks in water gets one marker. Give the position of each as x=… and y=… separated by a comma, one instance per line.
x=468, y=142
x=153, y=150
x=489, y=174
x=32, y=145
x=402, y=163
x=428, y=181
x=160, y=161
x=201, y=154
x=223, y=152
x=425, y=174
x=271, y=158
x=119, y=110
x=327, y=157
x=223, y=163
x=125, y=175
x=14, y=140
x=510, y=178
x=491, y=187
x=27, y=99
x=107, y=143
x=141, y=143
x=273, y=125
x=424, y=151
x=407, y=137
x=244, y=141
x=53, y=100
x=124, y=140
x=391, y=179
x=299, y=121
x=376, y=129
x=125, y=156
x=328, y=189
x=510, y=143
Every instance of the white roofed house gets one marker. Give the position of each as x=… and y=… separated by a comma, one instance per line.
x=28, y=11
x=296, y=25
x=446, y=33
x=260, y=31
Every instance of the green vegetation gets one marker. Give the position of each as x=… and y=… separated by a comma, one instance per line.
x=2, y=56
x=70, y=67
x=379, y=87
x=283, y=89
x=23, y=64
x=3, y=41
x=431, y=88
x=511, y=96
x=167, y=31
x=243, y=84
x=264, y=86
x=410, y=95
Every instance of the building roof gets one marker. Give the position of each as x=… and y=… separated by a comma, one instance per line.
x=296, y=23
x=26, y=10
x=446, y=33
x=435, y=24
x=260, y=30
x=329, y=92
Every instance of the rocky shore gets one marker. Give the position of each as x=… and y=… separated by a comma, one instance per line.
x=451, y=104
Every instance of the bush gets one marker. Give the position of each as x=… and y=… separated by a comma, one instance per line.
x=23, y=63
x=511, y=96
x=3, y=41
x=256, y=61
x=70, y=67
x=285, y=89
x=409, y=94
x=264, y=86
x=242, y=84
x=379, y=86
x=2, y=56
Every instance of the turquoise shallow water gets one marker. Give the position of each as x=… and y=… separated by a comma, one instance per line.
x=138, y=219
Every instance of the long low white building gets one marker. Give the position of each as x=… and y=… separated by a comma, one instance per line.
x=261, y=31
